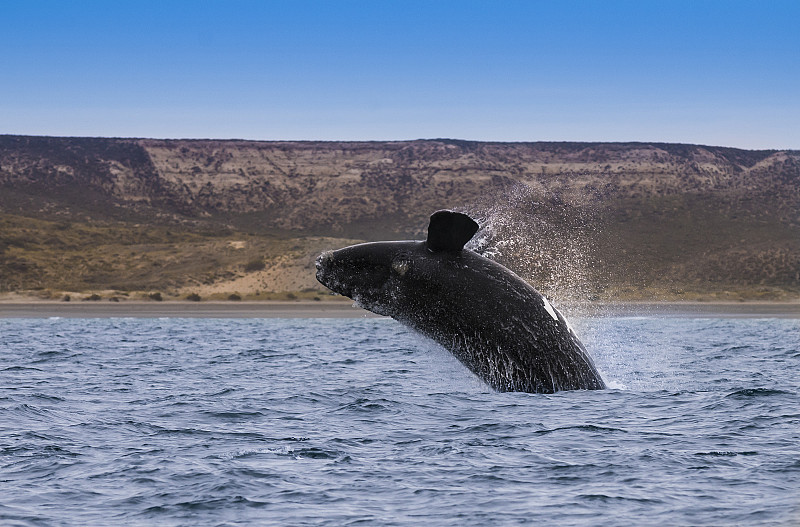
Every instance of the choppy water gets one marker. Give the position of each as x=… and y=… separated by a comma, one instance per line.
x=339, y=422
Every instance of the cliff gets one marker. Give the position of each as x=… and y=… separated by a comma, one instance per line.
x=638, y=217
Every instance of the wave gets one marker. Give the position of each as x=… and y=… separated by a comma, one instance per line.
x=727, y=453
x=757, y=392
x=588, y=428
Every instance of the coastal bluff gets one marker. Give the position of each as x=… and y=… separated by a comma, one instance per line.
x=670, y=219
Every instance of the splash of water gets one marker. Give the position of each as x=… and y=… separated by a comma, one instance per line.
x=551, y=244
x=547, y=241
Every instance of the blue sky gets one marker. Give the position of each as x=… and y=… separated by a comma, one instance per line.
x=702, y=71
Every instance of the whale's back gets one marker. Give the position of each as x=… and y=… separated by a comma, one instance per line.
x=498, y=326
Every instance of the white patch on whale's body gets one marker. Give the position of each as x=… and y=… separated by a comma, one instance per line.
x=549, y=309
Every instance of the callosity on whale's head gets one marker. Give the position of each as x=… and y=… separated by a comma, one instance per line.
x=362, y=272
x=373, y=274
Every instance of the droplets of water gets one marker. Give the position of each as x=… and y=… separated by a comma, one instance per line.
x=544, y=239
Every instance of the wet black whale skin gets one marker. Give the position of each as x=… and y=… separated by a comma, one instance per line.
x=494, y=322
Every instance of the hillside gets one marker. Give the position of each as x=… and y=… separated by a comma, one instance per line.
x=584, y=220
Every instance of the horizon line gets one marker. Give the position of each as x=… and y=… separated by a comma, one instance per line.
x=420, y=139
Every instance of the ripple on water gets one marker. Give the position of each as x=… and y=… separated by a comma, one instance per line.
x=336, y=422
x=757, y=392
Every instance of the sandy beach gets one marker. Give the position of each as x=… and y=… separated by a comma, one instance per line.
x=310, y=309
x=263, y=309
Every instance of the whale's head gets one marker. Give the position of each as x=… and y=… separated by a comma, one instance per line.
x=375, y=274
x=369, y=273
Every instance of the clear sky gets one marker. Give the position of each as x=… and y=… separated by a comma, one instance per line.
x=712, y=72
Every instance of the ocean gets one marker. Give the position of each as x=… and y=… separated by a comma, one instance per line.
x=359, y=421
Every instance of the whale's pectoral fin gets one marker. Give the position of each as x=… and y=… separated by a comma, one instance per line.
x=450, y=231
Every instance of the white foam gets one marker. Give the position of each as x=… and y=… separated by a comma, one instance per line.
x=615, y=384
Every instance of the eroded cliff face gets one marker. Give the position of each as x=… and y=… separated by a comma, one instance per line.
x=319, y=185
x=313, y=185
x=644, y=211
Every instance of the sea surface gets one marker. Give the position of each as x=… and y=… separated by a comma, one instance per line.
x=147, y=421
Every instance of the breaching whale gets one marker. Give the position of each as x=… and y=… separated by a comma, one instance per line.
x=493, y=321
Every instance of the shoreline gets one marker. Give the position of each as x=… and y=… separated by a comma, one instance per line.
x=346, y=309
x=182, y=309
